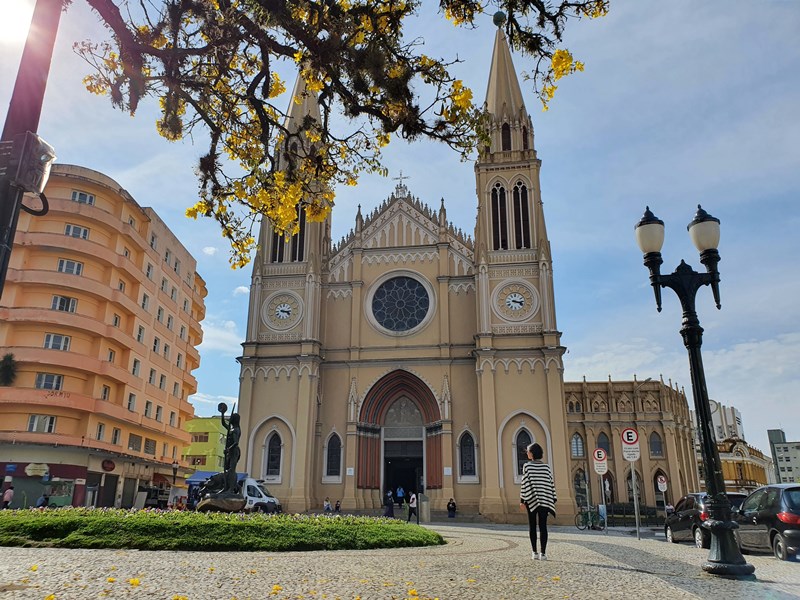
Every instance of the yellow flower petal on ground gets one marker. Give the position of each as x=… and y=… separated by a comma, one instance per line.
x=476, y=566
x=34, y=567
x=50, y=597
x=276, y=588
x=470, y=581
x=412, y=592
x=111, y=579
x=134, y=581
x=556, y=578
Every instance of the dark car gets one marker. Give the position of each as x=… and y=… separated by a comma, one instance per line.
x=769, y=519
x=690, y=512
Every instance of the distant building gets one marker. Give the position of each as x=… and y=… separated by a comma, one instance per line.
x=207, y=446
x=726, y=422
x=785, y=455
x=101, y=310
x=744, y=467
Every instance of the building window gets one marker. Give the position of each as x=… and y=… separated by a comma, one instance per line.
x=135, y=442
x=140, y=334
x=64, y=303
x=577, y=446
x=170, y=322
x=602, y=442
x=521, y=447
x=522, y=221
x=116, y=320
x=524, y=138
x=137, y=366
x=149, y=446
x=160, y=314
x=466, y=462
x=177, y=266
x=111, y=355
x=499, y=218
x=152, y=379
x=105, y=392
x=162, y=382
x=121, y=286
x=156, y=344
x=116, y=435
x=164, y=284
x=173, y=293
x=56, y=341
x=42, y=424
x=179, y=361
x=166, y=351
x=176, y=389
x=175, y=452
x=167, y=256
x=71, y=267
x=200, y=438
x=148, y=409
x=172, y=418
x=299, y=239
x=132, y=222
x=186, y=305
x=656, y=445
x=145, y=301
x=183, y=332
x=153, y=241
x=149, y=271
x=76, y=231
x=126, y=253
x=196, y=460
x=333, y=457
x=101, y=431
x=132, y=402
x=49, y=381
x=164, y=449
x=272, y=462
x=82, y=197
x=505, y=137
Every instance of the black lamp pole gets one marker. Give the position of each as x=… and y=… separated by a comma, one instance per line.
x=174, y=472
x=724, y=558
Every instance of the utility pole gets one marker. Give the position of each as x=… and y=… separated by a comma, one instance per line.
x=23, y=115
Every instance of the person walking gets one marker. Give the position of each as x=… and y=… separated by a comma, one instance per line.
x=537, y=497
x=388, y=504
x=412, y=505
x=400, y=496
x=8, y=496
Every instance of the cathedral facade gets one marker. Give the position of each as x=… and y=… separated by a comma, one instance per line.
x=410, y=354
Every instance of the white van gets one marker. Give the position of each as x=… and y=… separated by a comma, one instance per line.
x=258, y=497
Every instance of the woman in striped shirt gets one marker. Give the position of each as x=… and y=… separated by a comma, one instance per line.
x=537, y=497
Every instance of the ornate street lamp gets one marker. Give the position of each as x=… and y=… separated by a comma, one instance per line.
x=724, y=558
x=175, y=466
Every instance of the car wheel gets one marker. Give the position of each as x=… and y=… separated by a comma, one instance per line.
x=700, y=538
x=668, y=533
x=779, y=547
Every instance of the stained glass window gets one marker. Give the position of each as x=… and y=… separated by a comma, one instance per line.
x=400, y=304
x=467, y=447
x=334, y=458
x=274, y=456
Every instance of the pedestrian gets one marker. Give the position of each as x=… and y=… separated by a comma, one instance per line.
x=669, y=508
x=338, y=507
x=412, y=505
x=8, y=496
x=537, y=497
x=451, y=509
x=400, y=496
x=388, y=504
x=43, y=501
x=326, y=506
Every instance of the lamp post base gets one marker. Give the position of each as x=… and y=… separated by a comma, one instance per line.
x=724, y=557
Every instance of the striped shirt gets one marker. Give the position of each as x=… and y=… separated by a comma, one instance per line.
x=538, y=489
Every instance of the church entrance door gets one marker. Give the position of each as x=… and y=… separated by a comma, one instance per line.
x=403, y=466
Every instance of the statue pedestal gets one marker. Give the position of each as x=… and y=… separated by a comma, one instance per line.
x=221, y=503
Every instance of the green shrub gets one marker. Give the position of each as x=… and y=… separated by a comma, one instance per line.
x=177, y=530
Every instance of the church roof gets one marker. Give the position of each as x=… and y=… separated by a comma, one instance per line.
x=503, y=94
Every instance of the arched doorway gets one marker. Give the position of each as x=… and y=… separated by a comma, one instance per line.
x=399, y=435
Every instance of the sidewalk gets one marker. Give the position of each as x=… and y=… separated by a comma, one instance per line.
x=479, y=561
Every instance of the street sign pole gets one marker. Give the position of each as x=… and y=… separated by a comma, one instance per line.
x=631, y=453
x=601, y=467
x=635, y=499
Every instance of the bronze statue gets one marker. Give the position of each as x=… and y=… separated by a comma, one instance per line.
x=221, y=492
x=232, y=452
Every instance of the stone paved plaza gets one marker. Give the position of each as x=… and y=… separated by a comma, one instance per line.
x=479, y=561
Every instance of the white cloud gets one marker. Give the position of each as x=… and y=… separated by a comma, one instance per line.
x=210, y=250
x=222, y=337
x=205, y=405
x=241, y=290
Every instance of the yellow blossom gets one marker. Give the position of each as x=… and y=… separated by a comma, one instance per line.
x=111, y=579
x=50, y=597
x=35, y=568
x=134, y=581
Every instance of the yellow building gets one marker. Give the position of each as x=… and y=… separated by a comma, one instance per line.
x=206, y=450
x=101, y=310
x=744, y=467
x=412, y=354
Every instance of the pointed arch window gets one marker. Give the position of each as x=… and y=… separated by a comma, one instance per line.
x=333, y=457
x=577, y=446
x=499, y=218
x=505, y=137
x=656, y=445
x=524, y=138
x=278, y=247
x=272, y=457
x=299, y=238
x=466, y=446
x=603, y=442
x=522, y=221
x=521, y=445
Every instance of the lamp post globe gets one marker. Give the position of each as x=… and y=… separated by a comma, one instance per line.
x=724, y=557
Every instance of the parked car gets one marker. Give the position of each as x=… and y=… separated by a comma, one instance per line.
x=769, y=519
x=684, y=523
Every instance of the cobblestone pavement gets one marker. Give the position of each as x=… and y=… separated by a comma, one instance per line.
x=479, y=561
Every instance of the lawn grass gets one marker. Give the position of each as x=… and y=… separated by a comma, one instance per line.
x=181, y=530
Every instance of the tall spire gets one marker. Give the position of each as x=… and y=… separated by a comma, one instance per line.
x=503, y=94
x=308, y=105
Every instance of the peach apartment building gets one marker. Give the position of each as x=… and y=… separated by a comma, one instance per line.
x=101, y=310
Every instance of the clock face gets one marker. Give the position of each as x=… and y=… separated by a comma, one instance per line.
x=515, y=301
x=282, y=311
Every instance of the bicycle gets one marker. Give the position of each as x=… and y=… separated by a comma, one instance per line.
x=589, y=518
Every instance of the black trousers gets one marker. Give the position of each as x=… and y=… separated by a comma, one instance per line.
x=538, y=517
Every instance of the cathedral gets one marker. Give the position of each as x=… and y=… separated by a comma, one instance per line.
x=409, y=354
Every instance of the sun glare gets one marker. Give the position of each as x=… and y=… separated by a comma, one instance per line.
x=15, y=19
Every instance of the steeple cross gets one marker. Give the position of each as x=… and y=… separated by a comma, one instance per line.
x=401, y=177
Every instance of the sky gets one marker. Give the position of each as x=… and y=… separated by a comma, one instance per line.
x=681, y=103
